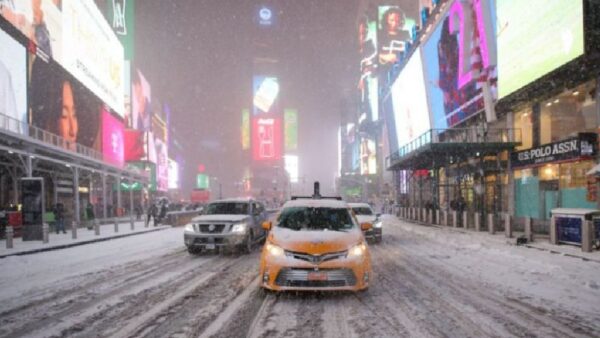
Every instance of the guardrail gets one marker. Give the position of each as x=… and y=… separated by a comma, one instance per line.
x=456, y=135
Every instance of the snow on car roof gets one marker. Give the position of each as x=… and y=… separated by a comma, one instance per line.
x=359, y=205
x=316, y=203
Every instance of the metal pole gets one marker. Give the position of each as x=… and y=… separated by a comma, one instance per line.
x=131, y=204
x=9, y=236
x=76, y=216
x=119, y=204
x=104, y=198
x=74, y=230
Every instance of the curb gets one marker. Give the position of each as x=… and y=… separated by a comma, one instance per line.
x=70, y=245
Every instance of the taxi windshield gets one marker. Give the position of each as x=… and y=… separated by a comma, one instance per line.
x=315, y=218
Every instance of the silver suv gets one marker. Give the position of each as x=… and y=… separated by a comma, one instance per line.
x=230, y=224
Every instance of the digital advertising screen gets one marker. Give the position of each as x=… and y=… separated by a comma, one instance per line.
x=202, y=181
x=245, y=133
x=368, y=83
x=266, y=95
x=368, y=157
x=162, y=165
x=290, y=129
x=134, y=145
x=291, y=167
x=460, y=54
x=541, y=49
x=113, y=140
x=62, y=106
x=395, y=27
x=141, y=103
x=173, y=174
x=409, y=99
x=13, y=84
x=266, y=139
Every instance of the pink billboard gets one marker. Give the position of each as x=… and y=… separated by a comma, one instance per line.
x=113, y=149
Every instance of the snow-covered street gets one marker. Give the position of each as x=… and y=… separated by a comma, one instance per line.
x=428, y=282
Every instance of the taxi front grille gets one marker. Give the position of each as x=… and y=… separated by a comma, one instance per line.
x=292, y=277
x=316, y=259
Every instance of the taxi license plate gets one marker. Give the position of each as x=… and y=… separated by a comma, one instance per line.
x=210, y=246
x=316, y=275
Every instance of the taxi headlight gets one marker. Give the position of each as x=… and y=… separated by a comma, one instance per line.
x=274, y=250
x=357, y=250
x=377, y=224
x=189, y=227
x=239, y=228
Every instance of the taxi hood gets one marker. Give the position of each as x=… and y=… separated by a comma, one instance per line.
x=315, y=242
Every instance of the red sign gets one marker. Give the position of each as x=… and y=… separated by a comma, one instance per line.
x=112, y=139
x=134, y=145
x=266, y=138
x=201, y=168
x=200, y=196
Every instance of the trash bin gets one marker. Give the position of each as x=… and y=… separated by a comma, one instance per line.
x=567, y=225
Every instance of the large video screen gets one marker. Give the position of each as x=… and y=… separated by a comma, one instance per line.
x=162, y=165
x=266, y=139
x=13, y=84
x=173, y=174
x=395, y=29
x=141, y=103
x=368, y=157
x=113, y=140
x=409, y=99
x=460, y=55
x=75, y=34
x=368, y=83
x=62, y=106
x=266, y=95
x=540, y=49
x=290, y=129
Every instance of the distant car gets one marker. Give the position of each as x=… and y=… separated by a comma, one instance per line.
x=315, y=244
x=230, y=224
x=364, y=213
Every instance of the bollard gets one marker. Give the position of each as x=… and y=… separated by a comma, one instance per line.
x=131, y=222
x=116, y=225
x=97, y=228
x=423, y=215
x=445, y=216
x=430, y=216
x=490, y=223
x=437, y=217
x=477, y=222
x=73, y=230
x=507, y=225
x=45, y=231
x=454, y=219
x=528, y=232
x=465, y=219
x=10, y=232
x=587, y=234
x=553, y=233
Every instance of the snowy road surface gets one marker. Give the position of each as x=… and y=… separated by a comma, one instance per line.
x=428, y=282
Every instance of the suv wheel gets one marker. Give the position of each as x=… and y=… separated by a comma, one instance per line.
x=248, y=245
x=194, y=251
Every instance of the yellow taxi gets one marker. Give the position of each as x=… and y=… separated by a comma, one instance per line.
x=315, y=244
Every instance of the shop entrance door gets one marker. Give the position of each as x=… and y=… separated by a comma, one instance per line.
x=550, y=202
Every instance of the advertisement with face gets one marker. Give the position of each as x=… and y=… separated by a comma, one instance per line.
x=62, y=106
x=266, y=95
x=113, y=140
x=266, y=139
x=141, y=99
x=409, y=99
x=368, y=83
x=13, y=84
x=541, y=50
x=173, y=175
x=460, y=55
x=395, y=27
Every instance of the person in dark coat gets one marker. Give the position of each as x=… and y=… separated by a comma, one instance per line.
x=59, y=216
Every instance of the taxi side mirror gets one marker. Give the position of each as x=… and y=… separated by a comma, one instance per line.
x=365, y=226
x=267, y=225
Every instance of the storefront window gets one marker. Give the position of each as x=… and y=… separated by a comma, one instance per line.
x=569, y=113
x=522, y=121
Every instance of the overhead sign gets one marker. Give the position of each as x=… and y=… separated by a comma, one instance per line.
x=290, y=129
x=570, y=149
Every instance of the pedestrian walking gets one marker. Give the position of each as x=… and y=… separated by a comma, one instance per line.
x=59, y=216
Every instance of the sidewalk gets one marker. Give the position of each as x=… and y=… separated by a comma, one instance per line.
x=540, y=242
x=84, y=236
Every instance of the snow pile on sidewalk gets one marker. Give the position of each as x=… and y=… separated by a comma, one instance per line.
x=536, y=275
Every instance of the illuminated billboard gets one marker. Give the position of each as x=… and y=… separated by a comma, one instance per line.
x=245, y=134
x=266, y=95
x=368, y=83
x=395, y=29
x=113, y=140
x=202, y=181
x=409, y=99
x=548, y=34
x=266, y=139
x=141, y=100
x=62, y=106
x=460, y=54
x=290, y=129
x=13, y=84
x=291, y=167
x=368, y=157
x=173, y=174
x=162, y=165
